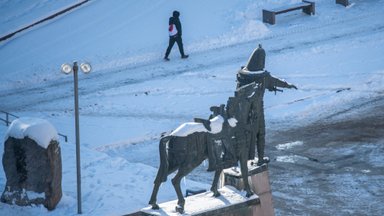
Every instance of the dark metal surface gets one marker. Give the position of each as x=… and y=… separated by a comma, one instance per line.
x=242, y=130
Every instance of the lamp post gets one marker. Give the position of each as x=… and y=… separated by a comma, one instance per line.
x=67, y=69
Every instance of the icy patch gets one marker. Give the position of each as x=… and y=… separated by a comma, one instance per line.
x=290, y=145
x=39, y=130
x=376, y=156
x=290, y=158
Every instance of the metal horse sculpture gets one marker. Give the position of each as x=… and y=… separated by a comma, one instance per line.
x=190, y=144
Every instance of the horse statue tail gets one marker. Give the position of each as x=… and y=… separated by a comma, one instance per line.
x=162, y=173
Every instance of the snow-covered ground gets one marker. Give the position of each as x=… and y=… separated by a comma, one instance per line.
x=132, y=96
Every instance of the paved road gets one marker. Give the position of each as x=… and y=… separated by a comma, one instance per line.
x=337, y=167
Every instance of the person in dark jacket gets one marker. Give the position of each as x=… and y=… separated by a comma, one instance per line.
x=175, y=32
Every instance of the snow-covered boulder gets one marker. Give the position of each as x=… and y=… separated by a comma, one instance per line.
x=32, y=164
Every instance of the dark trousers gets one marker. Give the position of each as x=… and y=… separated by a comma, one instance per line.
x=172, y=41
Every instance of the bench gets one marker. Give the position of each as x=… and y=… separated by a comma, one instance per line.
x=308, y=7
x=345, y=3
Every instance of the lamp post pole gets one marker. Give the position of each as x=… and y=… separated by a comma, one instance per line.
x=67, y=69
x=78, y=167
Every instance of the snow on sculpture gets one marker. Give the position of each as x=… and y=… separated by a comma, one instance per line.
x=192, y=127
x=229, y=136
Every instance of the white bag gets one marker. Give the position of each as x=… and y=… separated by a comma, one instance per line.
x=172, y=30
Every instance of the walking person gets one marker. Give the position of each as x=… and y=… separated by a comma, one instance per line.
x=175, y=32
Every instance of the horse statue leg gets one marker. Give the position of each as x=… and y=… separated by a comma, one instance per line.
x=176, y=184
x=244, y=173
x=216, y=193
x=162, y=172
x=183, y=171
x=152, y=201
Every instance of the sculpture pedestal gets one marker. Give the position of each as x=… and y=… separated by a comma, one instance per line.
x=231, y=202
x=259, y=182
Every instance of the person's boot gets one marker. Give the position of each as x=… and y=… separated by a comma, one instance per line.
x=184, y=56
x=166, y=58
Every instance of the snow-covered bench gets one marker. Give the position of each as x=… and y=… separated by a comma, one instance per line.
x=269, y=15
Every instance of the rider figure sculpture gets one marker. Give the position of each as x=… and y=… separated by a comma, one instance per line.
x=254, y=72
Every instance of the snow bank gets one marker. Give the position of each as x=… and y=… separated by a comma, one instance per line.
x=39, y=130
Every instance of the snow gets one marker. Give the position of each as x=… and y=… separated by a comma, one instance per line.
x=290, y=145
x=232, y=122
x=39, y=130
x=14, y=17
x=33, y=195
x=290, y=158
x=197, y=204
x=193, y=127
x=246, y=71
x=132, y=96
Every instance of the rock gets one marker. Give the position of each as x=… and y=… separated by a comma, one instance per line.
x=33, y=173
